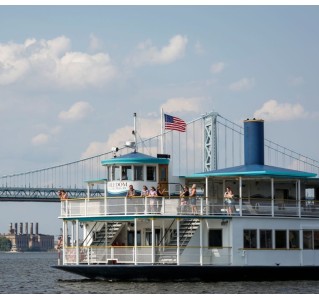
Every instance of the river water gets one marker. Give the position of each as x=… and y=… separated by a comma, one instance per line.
x=31, y=273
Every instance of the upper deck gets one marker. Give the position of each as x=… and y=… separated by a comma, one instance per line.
x=119, y=207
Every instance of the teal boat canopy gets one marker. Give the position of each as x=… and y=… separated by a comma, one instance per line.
x=135, y=158
x=255, y=170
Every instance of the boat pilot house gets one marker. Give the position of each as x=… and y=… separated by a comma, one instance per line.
x=265, y=227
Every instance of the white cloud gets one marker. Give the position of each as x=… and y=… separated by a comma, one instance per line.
x=44, y=138
x=40, y=139
x=95, y=43
x=76, y=112
x=274, y=111
x=243, y=84
x=182, y=105
x=145, y=127
x=77, y=69
x=149, y=54
x=12, y=64
x=46, y=62
x=116, y=139
x=217, y=68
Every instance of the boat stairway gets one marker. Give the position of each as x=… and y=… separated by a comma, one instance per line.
x=187, y=229
x=113, y=229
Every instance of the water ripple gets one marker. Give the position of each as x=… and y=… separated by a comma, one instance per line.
x=31, y=273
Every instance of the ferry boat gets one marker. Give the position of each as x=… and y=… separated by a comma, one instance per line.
x=270, y=231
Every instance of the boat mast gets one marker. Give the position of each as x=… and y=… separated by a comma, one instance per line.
x=134, y=133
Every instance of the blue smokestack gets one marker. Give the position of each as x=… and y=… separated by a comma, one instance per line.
x=254, y=141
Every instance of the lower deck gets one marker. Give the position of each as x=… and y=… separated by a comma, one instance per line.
x=196, y=240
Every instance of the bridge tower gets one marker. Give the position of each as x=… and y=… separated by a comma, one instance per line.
x=210, y=141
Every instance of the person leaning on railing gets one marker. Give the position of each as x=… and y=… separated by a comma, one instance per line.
x=228, y=200
x=130, y=194
x=160, y=193
x=63, y=195
x=192, y=197
x=152, y=194
x=184, y=199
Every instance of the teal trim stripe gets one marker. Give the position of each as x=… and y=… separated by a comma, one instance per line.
x=254, y=170
x=133, y=161
x=135, y=158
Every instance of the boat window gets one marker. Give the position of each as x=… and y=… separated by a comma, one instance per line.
x=280, y=239
x=215, y=238
x=138, y=173
x=293, y=239
x=250, y=238
x=307, y=239
x=311, y=239
x=130, y=238
x=127, y=173
x=116, y=175
x=150, y=173
x=148, y=237
x=265, y=239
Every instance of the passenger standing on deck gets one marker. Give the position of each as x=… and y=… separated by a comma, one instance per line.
x=184, y=199
x=131, y=191
x=152, y=194
x=145, y=191
x=63, y=195
x=228, y=199
x=192, y=196
x=159, y=200
x=144, y=194
x=60, y=243
x=130, y=194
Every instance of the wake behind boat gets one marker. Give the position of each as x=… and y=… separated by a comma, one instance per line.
x=266, y=230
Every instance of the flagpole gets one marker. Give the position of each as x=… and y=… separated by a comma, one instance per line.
x=162, y=132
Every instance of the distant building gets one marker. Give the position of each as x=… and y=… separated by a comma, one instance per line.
x=29, y=240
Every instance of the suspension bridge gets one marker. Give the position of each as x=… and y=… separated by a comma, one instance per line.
x=210, y=142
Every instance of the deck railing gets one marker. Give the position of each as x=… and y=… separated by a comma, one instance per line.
x=97, y=207
x=145, y=255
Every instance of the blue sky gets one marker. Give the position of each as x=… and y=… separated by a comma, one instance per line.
x=71, y=77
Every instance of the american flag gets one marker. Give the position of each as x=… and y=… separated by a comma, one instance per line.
x=174, y=123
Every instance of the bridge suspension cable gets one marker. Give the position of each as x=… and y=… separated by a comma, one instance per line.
x=188, y=153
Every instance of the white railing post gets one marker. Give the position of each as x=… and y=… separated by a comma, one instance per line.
x=299, y=197
x=105, y=199
x=62, y=207
x=64, y=240
x=177, y=254
x=77, y=242
x=112, y=252
x=201, y=205
x=145, y=205
x=272, y=183
x=201, y=241
x=206, y=196
x=67, y=210
x=153, y=242
x=135, y=241
x=125, y=206
x=240, y=197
